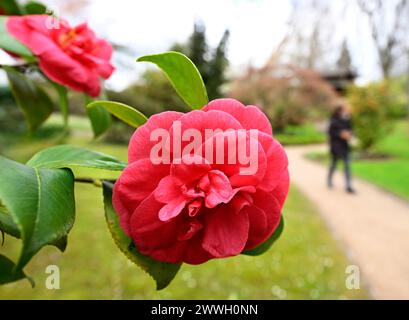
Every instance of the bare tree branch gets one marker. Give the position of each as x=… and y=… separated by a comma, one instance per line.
x=387, y=45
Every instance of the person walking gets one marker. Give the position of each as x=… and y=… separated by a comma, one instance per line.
x=340, y=134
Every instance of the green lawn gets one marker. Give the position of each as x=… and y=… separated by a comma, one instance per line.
x=391, y=174
x=305, y=263
x=299, y=135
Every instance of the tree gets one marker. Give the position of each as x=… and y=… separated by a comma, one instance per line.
x=344, y=62
x=179, y=47
x=309, y=39
x=388, y=29
x=198, y=49
x=288, y=94
x=211, y=63
x=217, y=68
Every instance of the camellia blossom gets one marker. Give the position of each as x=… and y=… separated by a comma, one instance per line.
x=73, y=57
x=192, y=210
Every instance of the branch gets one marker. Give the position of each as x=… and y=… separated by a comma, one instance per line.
x=95, y=182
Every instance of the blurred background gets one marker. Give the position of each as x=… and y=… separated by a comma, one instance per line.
x=294, y=59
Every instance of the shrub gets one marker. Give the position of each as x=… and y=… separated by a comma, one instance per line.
x=370, y=114
x=289, y=95
x=393, y=97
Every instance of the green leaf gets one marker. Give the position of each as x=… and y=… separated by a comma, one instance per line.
x=11, y=7
x=100, y=120
x=40, y=202
x=269, y=242
x=122, y=111
x=183, y=75
x=34, y=102
x=69, y=156
x=99, y=117
x=162, y=272
x=9, y=43
x=62, y=101
x=61, y=243
x=34, y=7
x=7, y=224
x=8, y=273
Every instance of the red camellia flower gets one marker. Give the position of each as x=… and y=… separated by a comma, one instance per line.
x=191, y=209
x=73, y=57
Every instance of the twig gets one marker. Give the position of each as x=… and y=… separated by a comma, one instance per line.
x=95, y=182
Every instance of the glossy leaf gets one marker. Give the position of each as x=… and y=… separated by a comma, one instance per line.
x=163, y=273
x=61, y=243
x=40, y=202
x=269, y=242
x=122, y=111
x=7, y=224
x=34, y=102
x=183, y=75
x=62, y=101
x=9, y=43
x=69, y=156
x=11, y=7
x=8, y=273
x=100, y=120
x=34, y=7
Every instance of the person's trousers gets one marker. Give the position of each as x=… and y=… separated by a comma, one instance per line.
x=347, y=168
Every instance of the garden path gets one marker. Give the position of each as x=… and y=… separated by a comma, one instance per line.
x=372, y=225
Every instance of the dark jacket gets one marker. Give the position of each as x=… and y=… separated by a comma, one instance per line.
x=338, y=146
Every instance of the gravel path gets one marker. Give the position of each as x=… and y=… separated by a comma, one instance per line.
x=372, y=225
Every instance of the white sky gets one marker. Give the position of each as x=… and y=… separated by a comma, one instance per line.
x=151, y=26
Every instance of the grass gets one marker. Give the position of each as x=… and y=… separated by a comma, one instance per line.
x=391, y=174
x=300, y=135
x=305, y=263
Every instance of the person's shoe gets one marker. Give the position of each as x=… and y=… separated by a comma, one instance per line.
x=350, y=190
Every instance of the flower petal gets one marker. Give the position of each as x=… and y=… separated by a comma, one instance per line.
x=154, y=237
x=257, y=226
x=172, y=209
x=75, y=64
x=189, y=169
x=195, y=254
x=136, y=183
x=277, y=162
x=21, y=26
x=250, y=117
x=159, y=239
x=225, y=231
x=280, y=192
x=193, y=226
x=264, y=216
x=244, y=166
x=167, y=190
x=219, y=189
x=140, y=145
x=205, y=123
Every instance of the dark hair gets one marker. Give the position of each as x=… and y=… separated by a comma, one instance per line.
x=336, y=114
